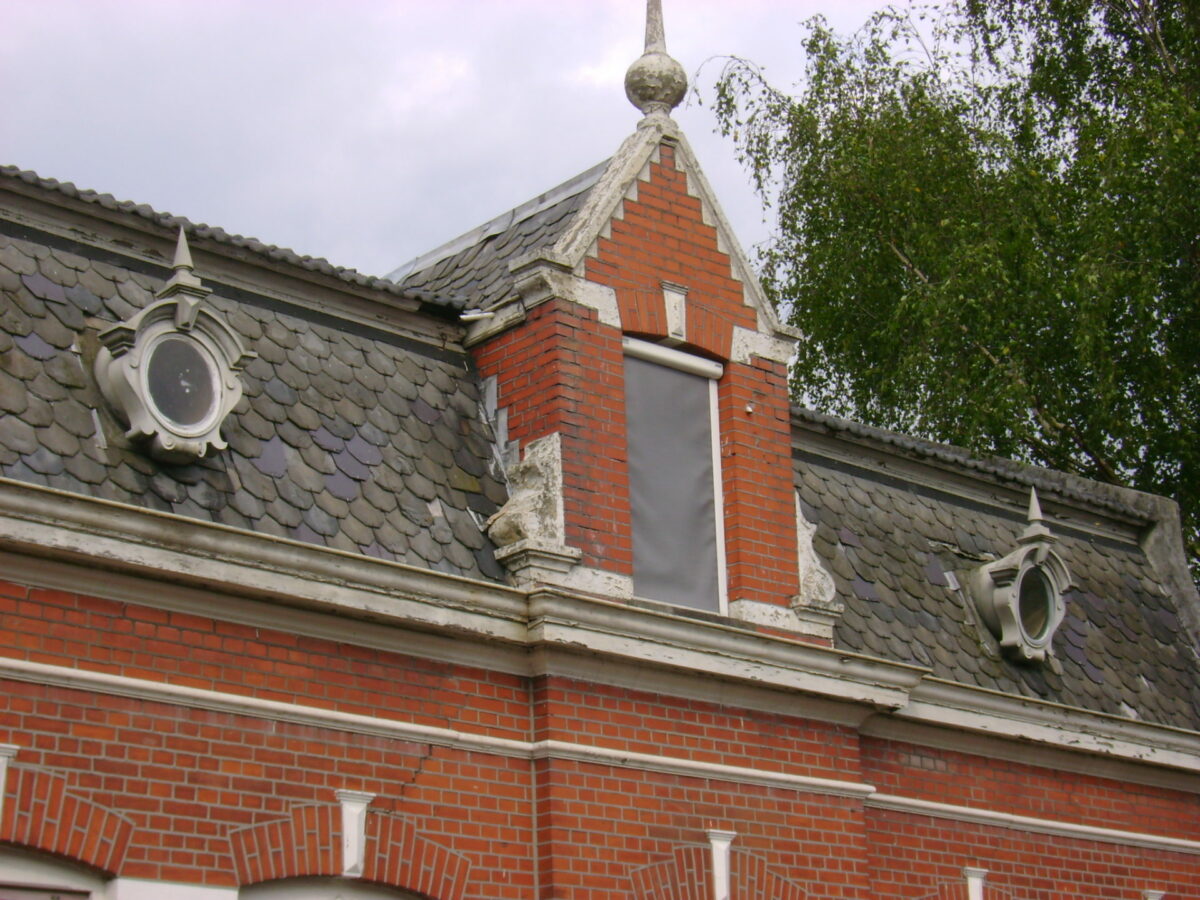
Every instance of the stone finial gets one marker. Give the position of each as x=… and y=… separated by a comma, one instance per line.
x=184, y=285
x=1036, y=531
x=655, y=83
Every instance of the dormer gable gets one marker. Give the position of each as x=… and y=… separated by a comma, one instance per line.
x=599, y=308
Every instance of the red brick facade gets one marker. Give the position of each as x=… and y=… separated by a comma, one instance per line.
x=173, y=791
x=190, y=706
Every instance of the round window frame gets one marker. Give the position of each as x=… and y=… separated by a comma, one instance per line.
x=1048, y=592
x=213, y=414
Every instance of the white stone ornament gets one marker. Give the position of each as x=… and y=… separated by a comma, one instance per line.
x=655, y=83
x=1020, y=596
x=171, y=371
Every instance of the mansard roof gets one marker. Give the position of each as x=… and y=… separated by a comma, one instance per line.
x=13, y=177
x=362, y=436
x=901, y=523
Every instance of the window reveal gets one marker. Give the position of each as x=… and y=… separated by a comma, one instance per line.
x=674, y=477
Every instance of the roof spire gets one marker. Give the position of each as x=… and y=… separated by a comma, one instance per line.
x=655, y=83
x=1036, y=531
x=184, y=284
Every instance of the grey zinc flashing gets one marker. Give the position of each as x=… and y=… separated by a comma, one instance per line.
x=475, y=265
x=311, y=456
x=1125, y=647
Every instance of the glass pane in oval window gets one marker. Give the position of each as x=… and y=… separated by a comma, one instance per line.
x=1035, y=601
x=180, y=379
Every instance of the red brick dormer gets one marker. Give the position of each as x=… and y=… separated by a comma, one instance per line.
x=634, y=260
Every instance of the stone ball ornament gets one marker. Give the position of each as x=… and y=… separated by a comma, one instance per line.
x=655, y=83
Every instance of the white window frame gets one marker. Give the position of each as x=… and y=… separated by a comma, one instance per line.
x=713, y=371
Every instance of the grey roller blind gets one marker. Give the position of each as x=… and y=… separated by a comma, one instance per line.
x=675, y=557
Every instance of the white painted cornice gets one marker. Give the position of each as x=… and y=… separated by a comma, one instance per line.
x=62, y=539
x=104, y=534
x=668, y=639
x=950, y=705
x=97, y=533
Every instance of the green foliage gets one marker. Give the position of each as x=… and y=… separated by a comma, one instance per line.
x=988, y=229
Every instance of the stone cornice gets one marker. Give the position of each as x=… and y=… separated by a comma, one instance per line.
x=567, y=632
x=972, y=709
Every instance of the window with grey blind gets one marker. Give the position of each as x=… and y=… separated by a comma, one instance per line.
x=674, y=476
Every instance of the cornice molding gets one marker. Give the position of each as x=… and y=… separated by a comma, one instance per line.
x=386, y=604
x=946, y=704
x=165, y=692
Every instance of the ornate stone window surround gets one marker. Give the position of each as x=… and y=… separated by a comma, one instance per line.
x=1020, y=595
x=171, y=371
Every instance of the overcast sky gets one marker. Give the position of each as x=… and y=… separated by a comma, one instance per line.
x=369, y=131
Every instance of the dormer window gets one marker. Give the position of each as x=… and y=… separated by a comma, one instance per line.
x=1020, y=596
x=170, y=372
x=674, y=476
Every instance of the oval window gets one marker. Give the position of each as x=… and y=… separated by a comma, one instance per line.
x=181, y=381
x=1035, y=602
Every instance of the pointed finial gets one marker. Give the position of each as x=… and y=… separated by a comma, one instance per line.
x=656, y=39
x=655, y=83
x=183, y=254
x=184, y=284
x=1036, y=530
x=1035, y=508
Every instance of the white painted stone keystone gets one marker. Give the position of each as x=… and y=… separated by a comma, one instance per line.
x=720, y=841
x=354, y=830
x=975, y=879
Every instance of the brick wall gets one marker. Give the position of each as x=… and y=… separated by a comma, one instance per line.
x=913, y=856
x=145, y=788
x=961, y=779
x=561, y=370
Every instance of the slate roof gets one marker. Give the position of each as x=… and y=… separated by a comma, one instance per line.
x=890, y=540
x=347, y=436
x=270, y=252
x=475, y=265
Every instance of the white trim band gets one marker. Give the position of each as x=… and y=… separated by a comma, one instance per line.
x=1030, y=824
x=312, y=716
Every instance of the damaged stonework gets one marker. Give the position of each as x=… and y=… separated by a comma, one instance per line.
x=533, y=515
x=816, y=604
x=530, y=532
x=815, y=610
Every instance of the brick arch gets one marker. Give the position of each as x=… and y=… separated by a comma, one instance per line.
x=687, y=876
x=405, y=859
x=308, y=843
x=41, y=813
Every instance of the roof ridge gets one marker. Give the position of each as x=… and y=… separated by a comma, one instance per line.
x=1011, y=470
x=220, y=236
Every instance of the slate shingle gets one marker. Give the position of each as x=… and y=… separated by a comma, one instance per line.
x=314, y=445
x=1121, y=628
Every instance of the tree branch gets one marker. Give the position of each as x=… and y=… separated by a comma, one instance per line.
x=1048, y=422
